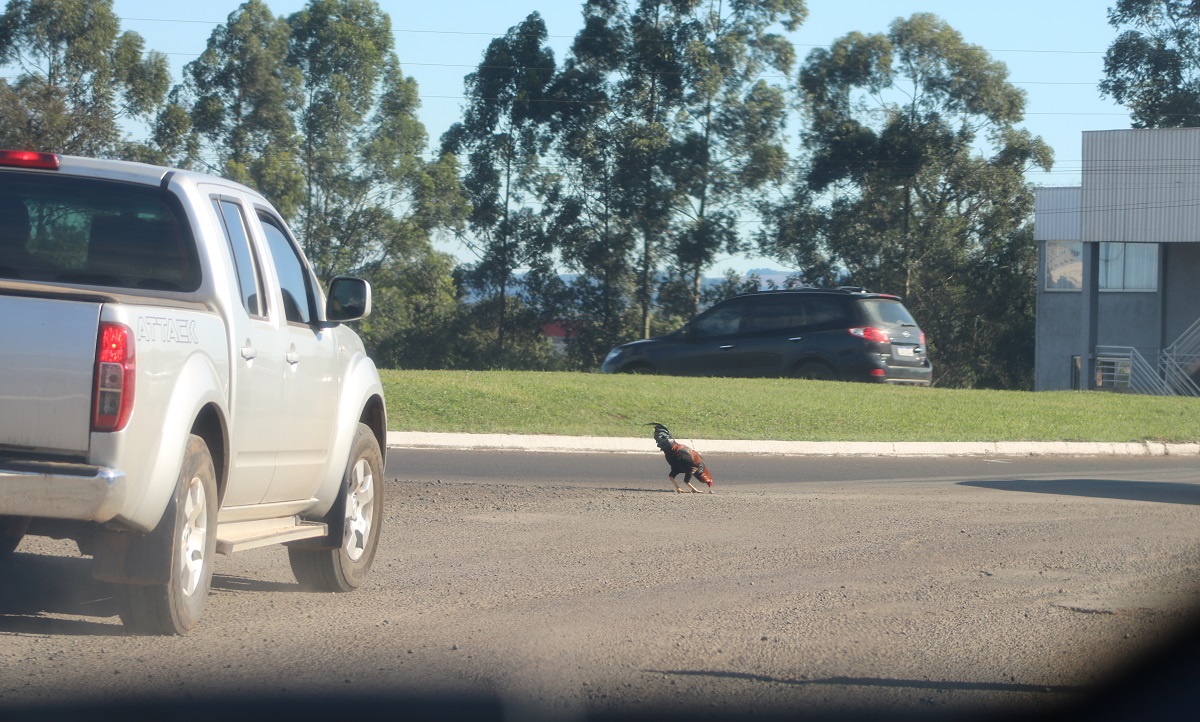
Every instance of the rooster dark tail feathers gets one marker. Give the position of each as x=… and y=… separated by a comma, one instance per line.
x=662, y=435
x=659, y=430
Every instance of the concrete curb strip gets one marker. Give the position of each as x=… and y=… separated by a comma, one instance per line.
x=639, y=445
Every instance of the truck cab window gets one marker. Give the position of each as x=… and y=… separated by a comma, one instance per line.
x=248, y=275
x=293, y=280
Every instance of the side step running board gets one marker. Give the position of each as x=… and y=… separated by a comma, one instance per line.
x=241, y=535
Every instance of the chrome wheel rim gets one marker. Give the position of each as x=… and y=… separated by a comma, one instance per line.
x=195, y=534
x=359, y=510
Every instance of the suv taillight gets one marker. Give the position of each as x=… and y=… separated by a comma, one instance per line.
x=112, y=399
x=871, y=333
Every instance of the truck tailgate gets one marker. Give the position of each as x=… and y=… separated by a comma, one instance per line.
x=46, y=363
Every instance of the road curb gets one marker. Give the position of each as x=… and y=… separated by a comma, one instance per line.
x=639, y=445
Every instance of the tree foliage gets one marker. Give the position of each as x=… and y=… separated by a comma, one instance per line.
x=915, y=186
x=240, y=96
x=502, y=139
x=664, y=130
x=728, y=142
x=1153, y=67
x=77, y=77
x=597, y=193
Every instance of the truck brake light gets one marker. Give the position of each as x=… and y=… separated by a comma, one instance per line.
x=112, y=400
x=29, y=159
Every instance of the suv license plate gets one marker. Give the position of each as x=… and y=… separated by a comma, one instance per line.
x=905, y=351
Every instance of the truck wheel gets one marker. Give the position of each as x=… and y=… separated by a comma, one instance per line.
x=180, y=550
x=12, y=531
x=342, y=562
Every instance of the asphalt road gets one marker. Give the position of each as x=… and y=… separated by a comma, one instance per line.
x=555, y=586
x=760, y=472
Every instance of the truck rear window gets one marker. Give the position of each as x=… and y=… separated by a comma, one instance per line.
x=62, y=229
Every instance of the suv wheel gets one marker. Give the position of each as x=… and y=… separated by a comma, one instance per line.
x=816, y=371
x=640, y=368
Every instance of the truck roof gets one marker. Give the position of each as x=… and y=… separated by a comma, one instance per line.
x=123, y=170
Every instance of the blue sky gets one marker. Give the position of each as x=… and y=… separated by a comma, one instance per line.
x=1054, y=50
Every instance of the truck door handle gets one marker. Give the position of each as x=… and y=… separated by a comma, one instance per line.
x=249, y=352
x=726, y=347
x=292, y=356
x=794, y=339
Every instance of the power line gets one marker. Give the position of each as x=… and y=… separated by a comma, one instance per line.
x=477, y=33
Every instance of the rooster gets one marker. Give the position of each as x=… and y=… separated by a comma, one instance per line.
x=682, y=460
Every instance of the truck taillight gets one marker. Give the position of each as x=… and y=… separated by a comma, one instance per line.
x=112, y=399
x=29, y=159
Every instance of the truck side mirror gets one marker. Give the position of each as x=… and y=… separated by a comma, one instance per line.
x=349, y=300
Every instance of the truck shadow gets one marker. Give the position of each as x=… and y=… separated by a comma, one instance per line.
x=37, y=585
x=227, y=583
x=1163, y=492
x=38, y=588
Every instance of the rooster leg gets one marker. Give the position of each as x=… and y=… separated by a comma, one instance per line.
x=687, y=479
x=678, y=488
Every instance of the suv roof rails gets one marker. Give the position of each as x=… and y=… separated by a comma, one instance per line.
x=811, y=289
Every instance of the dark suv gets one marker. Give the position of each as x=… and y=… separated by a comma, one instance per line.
x=837, y=334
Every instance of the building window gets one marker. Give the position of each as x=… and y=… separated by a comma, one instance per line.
x=1128, y=267
x=1064, y=265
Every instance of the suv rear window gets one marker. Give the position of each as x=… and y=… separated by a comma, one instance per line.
x=887, y=312
x=93, y=232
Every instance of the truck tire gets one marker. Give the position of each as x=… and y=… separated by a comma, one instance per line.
x=12, y=531
x=340, y=561
x=180, y=551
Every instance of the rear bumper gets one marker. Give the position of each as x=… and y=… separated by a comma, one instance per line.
x=911, y=375
x=50, y=490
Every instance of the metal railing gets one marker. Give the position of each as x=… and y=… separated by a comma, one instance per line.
x=1177, y=373
x=1188, y=343
x=1123, y=368
x=1179, y=363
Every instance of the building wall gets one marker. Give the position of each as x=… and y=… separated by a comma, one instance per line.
x=1141, y=186
x=1182, y=288
x=1061, y=331
x=1056, y=214
x=1131, y=319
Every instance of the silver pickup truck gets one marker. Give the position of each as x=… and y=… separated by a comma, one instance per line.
x=174, y=384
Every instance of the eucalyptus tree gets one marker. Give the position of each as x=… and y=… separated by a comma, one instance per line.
x=77, y=77
x=729, y=139
x=914, y=185
x=241, y=95
x=368, y=198
x=667, y=129
x=595, y=236
x=617, y=101
x=314, y=111
x=1153, y=67
x=649, y=94
x=502, y=139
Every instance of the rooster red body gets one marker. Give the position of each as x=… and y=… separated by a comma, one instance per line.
x=682, y=459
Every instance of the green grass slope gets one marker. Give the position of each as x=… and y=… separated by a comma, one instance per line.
x=588, y=404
